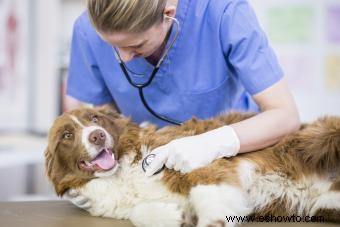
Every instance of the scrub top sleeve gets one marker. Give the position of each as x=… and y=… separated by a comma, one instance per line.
x=85, y=82
x=246, y=48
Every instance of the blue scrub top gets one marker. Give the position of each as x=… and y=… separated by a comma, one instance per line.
x=219, y=60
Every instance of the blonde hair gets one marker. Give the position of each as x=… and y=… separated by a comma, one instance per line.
x=131, y=16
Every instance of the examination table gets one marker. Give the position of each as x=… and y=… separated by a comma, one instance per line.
x=65, y=214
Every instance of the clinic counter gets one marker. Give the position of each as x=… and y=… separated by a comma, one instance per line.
x=64, y=214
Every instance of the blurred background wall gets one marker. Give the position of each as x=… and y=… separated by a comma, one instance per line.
x=34, y=50
x=306, y=37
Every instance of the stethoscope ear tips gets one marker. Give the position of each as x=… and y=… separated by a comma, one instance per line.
x=147, y=161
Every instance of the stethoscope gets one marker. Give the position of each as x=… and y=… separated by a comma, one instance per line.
x=147, y=161
x=140, y=86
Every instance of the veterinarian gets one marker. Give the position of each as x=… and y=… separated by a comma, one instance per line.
x=205, y=57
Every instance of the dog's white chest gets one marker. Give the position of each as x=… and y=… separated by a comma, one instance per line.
x=115, y=196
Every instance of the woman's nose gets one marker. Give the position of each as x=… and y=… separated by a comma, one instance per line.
x=126, y=55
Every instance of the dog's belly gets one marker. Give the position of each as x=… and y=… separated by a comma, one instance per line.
x=275, y=193
x=276, y=190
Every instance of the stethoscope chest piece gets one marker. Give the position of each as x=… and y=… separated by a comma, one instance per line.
x=147, y=161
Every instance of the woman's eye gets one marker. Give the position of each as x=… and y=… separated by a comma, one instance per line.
x=138, y=47
x=67, y=135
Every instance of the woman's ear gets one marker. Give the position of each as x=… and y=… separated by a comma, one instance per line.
x=169, y=11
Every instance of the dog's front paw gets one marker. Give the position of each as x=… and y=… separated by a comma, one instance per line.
x=78, y=199
x=157, y=214
x=82, y=200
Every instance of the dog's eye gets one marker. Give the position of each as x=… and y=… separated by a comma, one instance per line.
x=94, y=119
x=67, y=135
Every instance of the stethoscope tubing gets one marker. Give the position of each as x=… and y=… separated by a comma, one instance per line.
x=140, y=86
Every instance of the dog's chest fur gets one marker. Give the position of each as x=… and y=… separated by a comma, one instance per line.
x=115, y=196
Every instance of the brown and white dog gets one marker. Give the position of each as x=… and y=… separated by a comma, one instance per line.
x=98, y=153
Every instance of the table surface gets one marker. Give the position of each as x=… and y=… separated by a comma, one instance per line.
x=64, y=214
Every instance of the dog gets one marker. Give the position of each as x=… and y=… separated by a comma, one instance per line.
x=97, y=153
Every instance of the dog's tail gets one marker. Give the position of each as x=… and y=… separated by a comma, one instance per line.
x=318, y=145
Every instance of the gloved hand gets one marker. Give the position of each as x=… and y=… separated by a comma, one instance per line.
x=188, y=153
x=79, y=200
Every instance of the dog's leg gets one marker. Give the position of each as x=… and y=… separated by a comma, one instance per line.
x=156, y=214
x=214, y=205
x=327, y=207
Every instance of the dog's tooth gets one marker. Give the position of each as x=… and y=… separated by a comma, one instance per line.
x=113, y=156
x=88, y=163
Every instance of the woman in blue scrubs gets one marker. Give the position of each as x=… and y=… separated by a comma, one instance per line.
x=220, y=61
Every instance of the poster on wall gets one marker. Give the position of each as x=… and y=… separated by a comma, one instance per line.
x=333, y=23
x=332, y=57
x=291, y=24
x=332, y=72
x=13, y=64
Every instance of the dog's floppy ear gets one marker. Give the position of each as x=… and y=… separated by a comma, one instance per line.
x=49, y=160
x=54, y=171
x=59, y=174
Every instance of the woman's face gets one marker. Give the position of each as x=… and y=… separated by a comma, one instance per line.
x=142, y=44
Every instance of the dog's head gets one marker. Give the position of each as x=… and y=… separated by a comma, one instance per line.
x=82, y=145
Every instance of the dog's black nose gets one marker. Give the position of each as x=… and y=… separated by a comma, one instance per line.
x=97, y=137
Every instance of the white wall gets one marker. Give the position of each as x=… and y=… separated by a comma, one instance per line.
x=54, y=23
x=46, y=27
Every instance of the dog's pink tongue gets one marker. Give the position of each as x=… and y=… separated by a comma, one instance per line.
x=104, y=160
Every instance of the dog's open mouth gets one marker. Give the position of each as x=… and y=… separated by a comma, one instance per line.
x=104, y=161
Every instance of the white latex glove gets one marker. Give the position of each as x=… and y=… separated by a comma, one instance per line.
x=188, y=153
x=79, y=200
